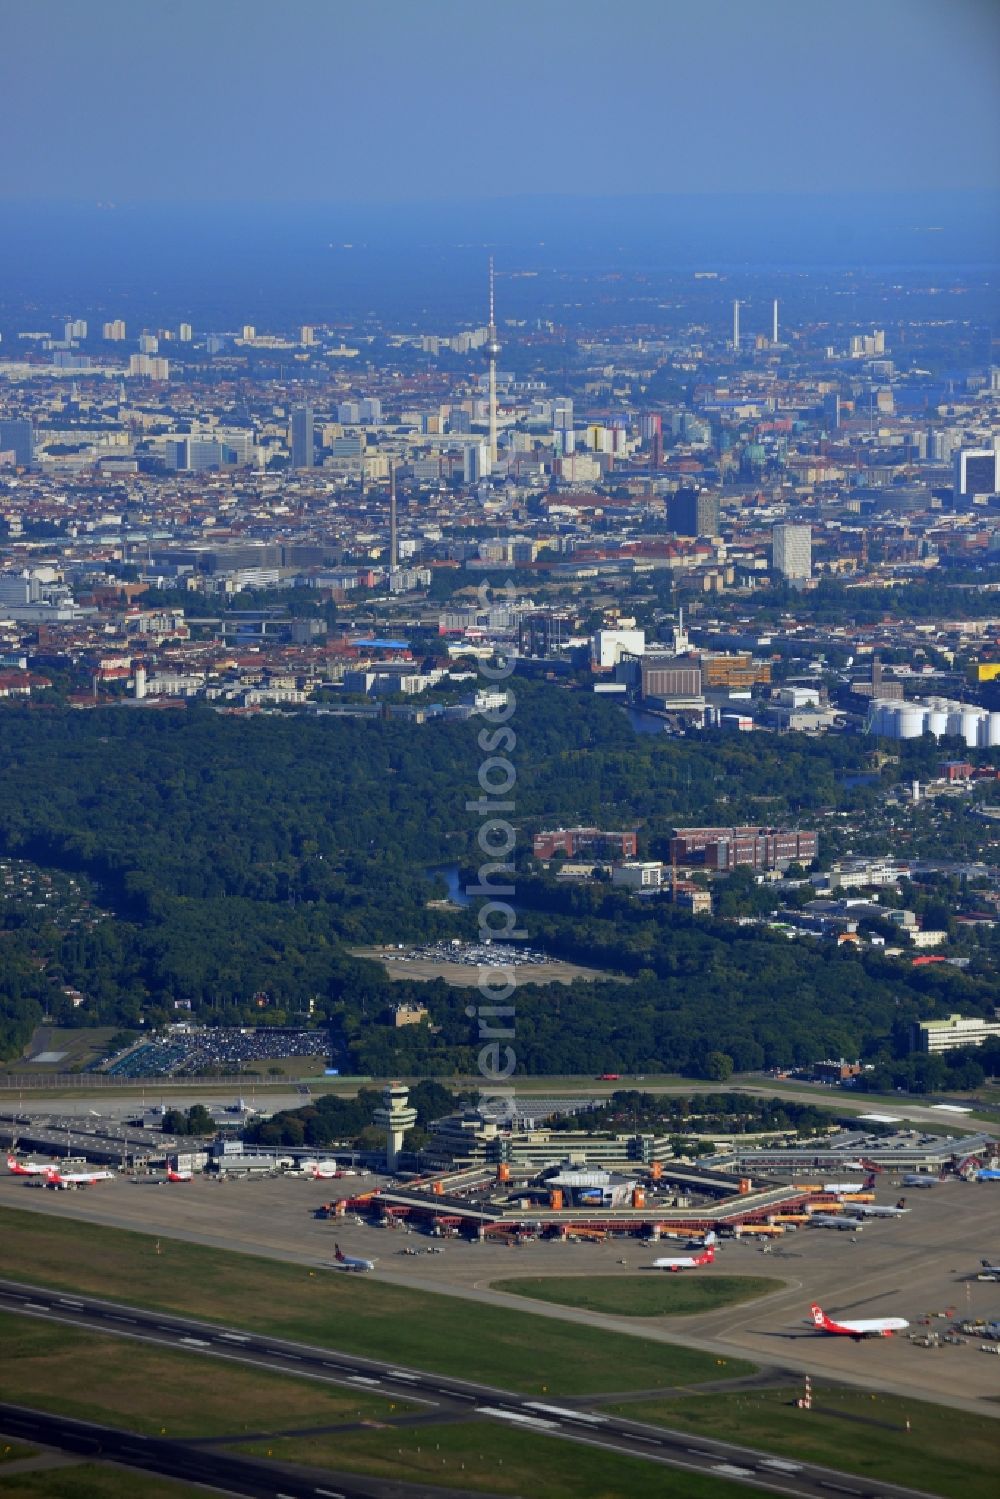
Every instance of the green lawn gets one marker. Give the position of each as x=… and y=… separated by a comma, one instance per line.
x=91, y=1481
x=652, y=1295
x=159, y=1392
x=442, y=1333
x=947, y=1452
x=500, y=1460
x=15, y=1452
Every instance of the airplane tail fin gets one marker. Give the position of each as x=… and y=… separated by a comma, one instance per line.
x=338, y=1254
x=818, y=1315
x=870, y=1182
x=710, y=1239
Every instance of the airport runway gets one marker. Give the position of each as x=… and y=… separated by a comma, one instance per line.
x=216, y=1470
x=271, y=1098
x=456, y=1399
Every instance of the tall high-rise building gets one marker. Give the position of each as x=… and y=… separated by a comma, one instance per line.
x=736, y=324
x=302, y=437
x=792, y=552
x=693, y=513
x=184, y=333
x=393, y=532
x=831, y=411
x=977, y=471
x=492, y=355
x=113, y=332
x=18, y=437
x=307, y=336
x=774, y=321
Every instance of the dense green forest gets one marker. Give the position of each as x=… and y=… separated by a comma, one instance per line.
x=232, y=857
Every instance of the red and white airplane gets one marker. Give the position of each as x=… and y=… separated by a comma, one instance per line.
x=873, y=1327
x=688, y=1261
x=325, y=1171
x=26, y=1168
x=179, y=1176
x=350, y=1261
x=56, y=1178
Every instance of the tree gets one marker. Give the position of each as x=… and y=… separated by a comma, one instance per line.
x=718, y=1066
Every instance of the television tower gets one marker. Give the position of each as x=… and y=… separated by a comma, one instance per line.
x=492, y=354
x=736, y=325
x=774, y=322
x=393, y=537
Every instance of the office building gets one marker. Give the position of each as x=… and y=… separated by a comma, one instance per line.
x=792, y=552
x=693, y=513
x=184, y=333
x=977, y=471
x=958, y=1030
x=562, y=414
x=18, y=437
x=302, y=437
x=831, y=411
x=114, y=332
x=307, y=336
x=592, y=841
x=750, y=847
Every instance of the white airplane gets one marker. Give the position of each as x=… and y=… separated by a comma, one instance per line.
x=919, y=1179
x=26, y=1168
x=325, y=1170
x=874, y=1210
x=179, y=1176
x=688, y=1261
x=837, y=1189
x=873, y=1327
x=834, y=1220
x=56, y=1178
x=989, y=1269
x=350, y=1261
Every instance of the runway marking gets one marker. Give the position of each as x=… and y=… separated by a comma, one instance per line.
x=732, y=1471
x=519, y=1418
x=781, y=1465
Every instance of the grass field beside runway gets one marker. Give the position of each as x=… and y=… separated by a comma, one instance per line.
x=159, y=1392
x=92, y=1481
x=949, y=1452
x=507, y=1349
x=499, y=1460
x=658, y=1294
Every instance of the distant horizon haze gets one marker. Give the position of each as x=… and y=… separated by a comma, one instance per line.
x=376, y=100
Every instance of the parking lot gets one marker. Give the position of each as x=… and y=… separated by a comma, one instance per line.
x=917, y=1266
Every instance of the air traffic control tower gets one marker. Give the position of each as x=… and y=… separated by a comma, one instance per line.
x=395, y=1117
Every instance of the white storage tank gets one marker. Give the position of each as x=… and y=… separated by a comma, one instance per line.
x=937, y=722
x=910, y=722
x=970, y=726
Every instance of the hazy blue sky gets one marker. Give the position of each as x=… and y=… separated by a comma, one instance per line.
x=384, y=100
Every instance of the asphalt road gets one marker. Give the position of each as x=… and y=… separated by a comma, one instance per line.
x=456, y=1399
